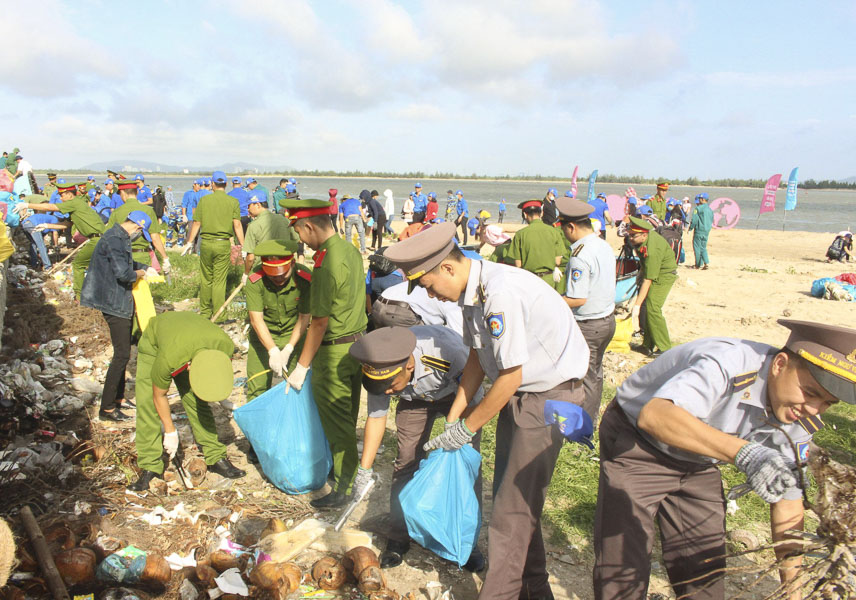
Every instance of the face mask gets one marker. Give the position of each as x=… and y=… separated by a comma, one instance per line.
x=136, y=235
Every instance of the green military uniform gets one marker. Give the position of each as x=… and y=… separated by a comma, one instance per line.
x=139, y=247
x=536, y=246
x=658, y=205
x=500, y=254
x=267, y=226
x=701, y=224
x=170, y=342
x=216, y=212
x=48, y=190
x=90, y=225
x=658, y=265
x=280, y=307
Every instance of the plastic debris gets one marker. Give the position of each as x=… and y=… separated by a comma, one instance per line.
x=231, y=582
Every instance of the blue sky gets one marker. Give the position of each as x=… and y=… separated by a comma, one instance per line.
x=671, y=88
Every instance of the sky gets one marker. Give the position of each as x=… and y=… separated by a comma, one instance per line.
x=661, y=88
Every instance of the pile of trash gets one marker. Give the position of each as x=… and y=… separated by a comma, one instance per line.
x=842, y=287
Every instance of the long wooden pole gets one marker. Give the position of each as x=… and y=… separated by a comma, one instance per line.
x=228, y=301
x=70, y=254
x=43, y=555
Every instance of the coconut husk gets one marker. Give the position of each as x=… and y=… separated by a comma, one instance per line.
x=7, y=552
x=76, y=566
x=328, y=573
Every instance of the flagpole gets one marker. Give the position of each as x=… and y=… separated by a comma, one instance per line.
x=784, y=220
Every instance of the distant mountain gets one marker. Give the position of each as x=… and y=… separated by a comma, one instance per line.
x=849, y=180
x=145, y=166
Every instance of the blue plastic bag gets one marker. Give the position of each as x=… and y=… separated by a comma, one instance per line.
x=285, y=431
x=440, y=506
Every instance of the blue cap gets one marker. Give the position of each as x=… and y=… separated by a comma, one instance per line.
x=646, y=197
x=60, y=181
x=459, y=193
x=645, y=210
x=108, y=181
x=601, y=195
x=569, y=194
x=412, y=194
x=206, y=180
x=419, y=185
x=553, y=191
x=142, y=219
x=139, y=177
x=218, y=177
x=432, y=195
x=571, y=421
x=632, y=200
x=236, y=180
x=90, y=178
x=292, y=181
x=250, y=180
x=671, y=202
x=704, y=196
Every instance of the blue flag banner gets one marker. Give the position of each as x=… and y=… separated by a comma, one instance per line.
x=592, y=179
x=791, y=198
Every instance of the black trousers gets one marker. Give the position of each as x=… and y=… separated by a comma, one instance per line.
x=114, y=381
x=377, y=233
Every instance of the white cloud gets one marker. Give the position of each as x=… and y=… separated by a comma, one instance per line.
x=419, y=112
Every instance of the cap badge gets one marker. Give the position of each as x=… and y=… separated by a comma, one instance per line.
x=852, y=356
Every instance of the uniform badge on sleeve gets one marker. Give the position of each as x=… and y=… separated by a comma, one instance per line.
x=496, y=324
x=802, y=450
x=576, y=274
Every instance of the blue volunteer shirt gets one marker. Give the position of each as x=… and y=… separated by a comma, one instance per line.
x=144, y=194
x=420, y=203
x=600, y=207
x=243, y=198
x=350, y=207
x=42, y=219
x=461, y=207
x=189, y=202
x=104, y=206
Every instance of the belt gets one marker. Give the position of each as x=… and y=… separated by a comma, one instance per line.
x=571, y=384
x=389, y=302
x=94, y=235
x=344, y=340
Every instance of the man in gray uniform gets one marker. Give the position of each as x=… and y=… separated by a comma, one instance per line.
x=590, y=291
x=400, y=306
x=421, y=365
x=531, y=360
x=714, y=400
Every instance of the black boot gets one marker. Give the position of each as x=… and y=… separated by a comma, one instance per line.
x=226, y=469
x=392, y=556
x=142, y=484
x=331, y=500
x=115, y=415
x=475, y=563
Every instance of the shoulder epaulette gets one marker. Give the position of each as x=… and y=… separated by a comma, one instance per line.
x=319, y=258
x=256, y=275
x=811, y=424
x=744, y=380
x=304, y=273
x=577, y=250
x=438, y=364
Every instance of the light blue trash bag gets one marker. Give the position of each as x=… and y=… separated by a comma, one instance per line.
x=440, y=506
x=285, y=431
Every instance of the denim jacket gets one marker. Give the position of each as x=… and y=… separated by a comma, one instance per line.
x=111, y=275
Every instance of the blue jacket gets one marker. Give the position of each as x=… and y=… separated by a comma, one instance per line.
x=111, y=275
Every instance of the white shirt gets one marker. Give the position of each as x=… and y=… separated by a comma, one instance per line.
x=24, y=167
x=431, y=310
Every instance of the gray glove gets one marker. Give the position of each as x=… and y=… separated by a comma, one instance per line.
x=768, y=473
x=362, y=481
x=453, y=438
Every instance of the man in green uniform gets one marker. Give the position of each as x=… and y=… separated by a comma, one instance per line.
x=538, y=247
x=701, y=224
x=139, y=247
x=85, y=219
x=266, y=225
x=659, y=272
x=50, y=187
x=278, y=303
x=657, y=202
x=186, y=348
x=338, y=314
x=216, y=217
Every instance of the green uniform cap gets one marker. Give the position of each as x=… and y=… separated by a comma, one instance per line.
x=298, y=209
x=283, y=248
x=211, y=376
x=641, y=223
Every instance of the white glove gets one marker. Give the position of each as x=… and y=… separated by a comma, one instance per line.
x=170, y=443
x=296, y=377
x=286, y=354
x=275, y=361
x=184, y=218
x=361, y=481
x=165, y=265
x=557, y=274
x=244, y=254
x=21, y=208
x=40, y=227
x=151, y=273
x=187, y=248
x=634, y=312
x=244, y=278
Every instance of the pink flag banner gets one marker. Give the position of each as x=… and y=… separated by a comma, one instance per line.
x=6, y=184
x=574, y=181
x=768, y=204
x=616, y=206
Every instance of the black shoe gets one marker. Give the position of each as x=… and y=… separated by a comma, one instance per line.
x=127, y=404
x=392, y=556
x=226, y=469
x=115, y=415
x=476, y=562
x=331, y=500
x=142, y=484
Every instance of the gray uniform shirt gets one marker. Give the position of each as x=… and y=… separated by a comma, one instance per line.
x=431, y=310
x=513, y=318
x=436, y=347
x=591, y=275
x=723, y=383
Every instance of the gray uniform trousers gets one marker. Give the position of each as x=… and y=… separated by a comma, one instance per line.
x=413, y=422
x=638, y=486
x=526, y=454
x=598, y=333
x=393, y=313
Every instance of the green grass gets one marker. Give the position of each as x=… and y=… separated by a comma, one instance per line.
x=753, y=269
